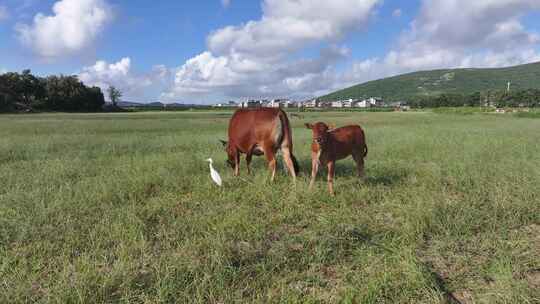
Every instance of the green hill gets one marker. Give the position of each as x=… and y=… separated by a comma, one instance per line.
x=429, y=83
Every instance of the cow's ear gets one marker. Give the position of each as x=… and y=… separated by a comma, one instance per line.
x=308, y=125
x=223, y=142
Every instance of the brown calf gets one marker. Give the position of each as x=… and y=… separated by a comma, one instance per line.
x=330, y=145
x=257, y=132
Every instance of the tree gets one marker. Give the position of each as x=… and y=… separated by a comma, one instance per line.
x=26, y=92
x=114, y=95
x=20, y=90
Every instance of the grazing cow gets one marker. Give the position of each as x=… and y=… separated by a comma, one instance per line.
x=257, y=132
x=330, y=145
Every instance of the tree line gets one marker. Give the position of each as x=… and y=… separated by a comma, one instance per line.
x=516, y=98
x=27, y=92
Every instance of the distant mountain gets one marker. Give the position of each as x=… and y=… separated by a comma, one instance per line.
x=436, y=82
x=124, y=104
x=154, y=104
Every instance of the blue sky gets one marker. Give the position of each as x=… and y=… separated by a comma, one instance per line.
x=211, y=50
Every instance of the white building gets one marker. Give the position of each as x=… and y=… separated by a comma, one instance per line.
x=279, y=103
x=376, y=101
x=350, y=103
x=337, y=104
x=363, y=104
x=252, y=103
x=230, y=104
x=311, y=103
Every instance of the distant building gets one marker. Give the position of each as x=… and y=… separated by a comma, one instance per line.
x=350, y=103
x=314, y=103
x=376, y=101
x=325, y=104
x=251, y=104
x=363, y=104
x=337, y=104
x=262, y=103
x=230, y=104
x=278, y=103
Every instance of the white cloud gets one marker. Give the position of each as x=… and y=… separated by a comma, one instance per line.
x=4, y=13
x=256, y=58
x=397, y=13
x=267, y=57
x=133, y=86
x=225, y=3
x=486, y=23
x=73, y=27
x=457, y=33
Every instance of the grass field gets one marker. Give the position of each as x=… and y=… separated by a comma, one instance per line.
x=111, y=208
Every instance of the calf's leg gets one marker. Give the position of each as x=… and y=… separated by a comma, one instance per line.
x=331, y=168
x=314, y=169
x=358, y=157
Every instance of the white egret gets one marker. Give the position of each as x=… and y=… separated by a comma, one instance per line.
x=214, y=174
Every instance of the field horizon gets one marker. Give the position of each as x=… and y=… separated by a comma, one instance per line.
x=120, y=207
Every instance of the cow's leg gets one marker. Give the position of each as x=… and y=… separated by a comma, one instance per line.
x=271, y=158
x=358, y=157
x=314, y=169
x=287, y=156
x=331, y=168
x=237, y=164
x=249, y=155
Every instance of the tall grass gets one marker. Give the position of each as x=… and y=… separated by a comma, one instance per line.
x=121, y=208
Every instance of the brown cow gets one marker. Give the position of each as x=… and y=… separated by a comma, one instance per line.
x=260, y=131
x=330, y=145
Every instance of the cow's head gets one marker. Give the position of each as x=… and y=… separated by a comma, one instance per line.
x=230, y=153
x=320, y=132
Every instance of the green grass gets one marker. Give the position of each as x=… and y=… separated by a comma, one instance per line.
x=120, y=207
x=436, y=82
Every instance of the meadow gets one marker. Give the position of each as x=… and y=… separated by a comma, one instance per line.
x=120, y=208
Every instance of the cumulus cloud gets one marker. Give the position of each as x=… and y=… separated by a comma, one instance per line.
x=4, y=13
x=256, y=58
x=133, y=86
x=448, y=32
x=73, y=27
x=457, y=33
x=267, y=57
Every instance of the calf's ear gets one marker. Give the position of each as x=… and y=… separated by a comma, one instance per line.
x=308, y=125
x=223, y=142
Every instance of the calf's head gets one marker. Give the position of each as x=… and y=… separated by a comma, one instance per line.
x=320, y=132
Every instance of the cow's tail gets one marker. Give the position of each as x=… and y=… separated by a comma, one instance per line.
x=365, y=143
x=365, y=150
x=286, y=138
